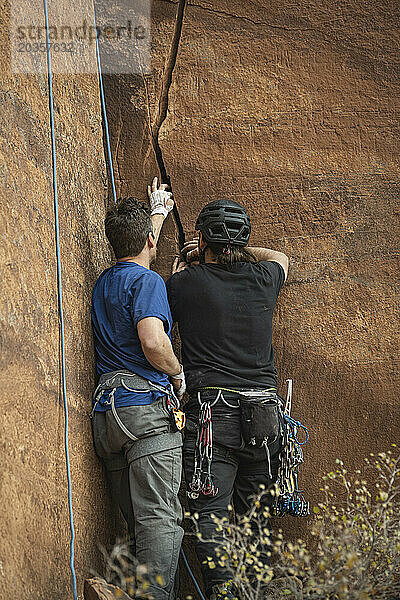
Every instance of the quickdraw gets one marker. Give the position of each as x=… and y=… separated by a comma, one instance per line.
x=290, y=499
x=202, y=480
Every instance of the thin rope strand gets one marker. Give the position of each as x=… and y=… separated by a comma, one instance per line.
x=104, y=112
x=60, y=303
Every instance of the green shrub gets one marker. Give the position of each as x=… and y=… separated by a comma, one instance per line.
x=355, y=554
x=123, y=570
x=356, y=530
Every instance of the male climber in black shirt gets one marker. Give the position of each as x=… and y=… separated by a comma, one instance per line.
x=224, y=309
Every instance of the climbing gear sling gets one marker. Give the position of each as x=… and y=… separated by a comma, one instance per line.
x=290, y=499
x=202, y=480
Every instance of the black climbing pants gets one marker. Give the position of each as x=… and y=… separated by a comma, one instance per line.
x=237, y=473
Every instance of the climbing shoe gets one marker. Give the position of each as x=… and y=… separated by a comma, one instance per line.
x=224, y=591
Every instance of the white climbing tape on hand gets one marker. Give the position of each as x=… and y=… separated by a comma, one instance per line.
x=161, y=203
x=180, y=377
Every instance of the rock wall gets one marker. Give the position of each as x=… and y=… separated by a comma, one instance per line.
x=288, y=108
x=34, y=530
x=292, y=110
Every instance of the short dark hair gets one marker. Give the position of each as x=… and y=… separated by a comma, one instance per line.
x=127, y=225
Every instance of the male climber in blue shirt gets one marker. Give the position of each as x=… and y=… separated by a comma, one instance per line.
x=135, y=402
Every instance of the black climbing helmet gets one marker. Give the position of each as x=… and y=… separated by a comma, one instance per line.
x=224, y=222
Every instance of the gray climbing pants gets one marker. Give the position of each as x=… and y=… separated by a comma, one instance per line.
x=144, y=477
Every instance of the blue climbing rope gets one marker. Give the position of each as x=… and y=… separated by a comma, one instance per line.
x=60, y=301
x=196, y=585
x=104, y=111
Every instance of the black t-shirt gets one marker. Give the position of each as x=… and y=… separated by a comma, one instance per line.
x=225, y=323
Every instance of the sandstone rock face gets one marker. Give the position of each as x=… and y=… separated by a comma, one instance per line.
x=288, y=108
x=98, y=589
x=34, y=530
x=292, y=110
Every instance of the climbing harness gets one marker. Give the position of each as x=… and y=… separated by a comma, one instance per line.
x=252, y=393
x=109, y=382
x=263, y=421
x=290, y=499
x=202, y=480
x=60, y=304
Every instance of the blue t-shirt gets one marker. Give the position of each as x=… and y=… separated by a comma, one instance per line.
x=122, y=296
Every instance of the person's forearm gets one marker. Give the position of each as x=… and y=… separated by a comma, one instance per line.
x=161, y=356
x=157, y=223
x=266, y=253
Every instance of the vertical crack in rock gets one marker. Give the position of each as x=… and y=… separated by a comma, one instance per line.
x=118, y=140
x=163, y=109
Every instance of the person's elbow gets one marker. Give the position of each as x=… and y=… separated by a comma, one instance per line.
x=151, y=343
x=284, y=262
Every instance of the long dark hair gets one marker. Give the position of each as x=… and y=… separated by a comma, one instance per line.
x=228, y=255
